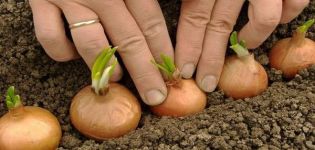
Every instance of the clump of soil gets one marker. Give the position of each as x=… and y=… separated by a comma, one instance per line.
x=283, y=117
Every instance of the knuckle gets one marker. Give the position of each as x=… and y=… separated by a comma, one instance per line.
x=193, y=49
x=189, y=45
x=90, y=48
x=196, y=47
x=196, y=18
x=153, y=27
x=134, y=44
x=92, y=44
x=221, y=23
x=214, y=60
x=144, y=77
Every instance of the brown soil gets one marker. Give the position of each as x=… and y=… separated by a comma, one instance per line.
x=283, y=117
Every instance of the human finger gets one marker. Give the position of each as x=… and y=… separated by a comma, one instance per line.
x=210, y=65
x=90, y=39
x=124, y=32
x=264, y=16
x=150, y=19
x=194, y=17
x=50, y=32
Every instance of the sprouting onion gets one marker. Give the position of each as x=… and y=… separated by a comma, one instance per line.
x=27, y=127
x=184, y=96
x=293, y=54
x=242, y=76
x=104, y=110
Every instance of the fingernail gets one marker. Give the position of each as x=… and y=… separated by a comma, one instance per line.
x=188, y=70
x=154, y=97
x=209, y=83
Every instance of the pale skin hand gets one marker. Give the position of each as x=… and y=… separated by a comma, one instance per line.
x=205, y=26
x=137, y=27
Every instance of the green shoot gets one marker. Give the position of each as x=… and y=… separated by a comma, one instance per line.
x=102, y=70
x=167, y=66
x=12, y=100
x=298, y=37
x=238, y=47
x=303, y=28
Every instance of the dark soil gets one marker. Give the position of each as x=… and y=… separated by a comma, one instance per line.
x=283, y=117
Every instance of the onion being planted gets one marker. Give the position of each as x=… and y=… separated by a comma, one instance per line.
x=293, y=54
x=27, y=127
x=242, y=76
x=104, y=110
x=184, y=96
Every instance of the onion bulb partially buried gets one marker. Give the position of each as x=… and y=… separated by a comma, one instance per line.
x=28, y=127
x=242, y=76
x=104, y=110
x=184, y=96
x=293, y=54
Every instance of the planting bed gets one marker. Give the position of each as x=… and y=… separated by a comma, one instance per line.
x=283, y=117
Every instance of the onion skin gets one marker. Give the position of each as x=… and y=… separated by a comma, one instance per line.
x=29, y=128
x=183, y=99
x=290, y=57
x=106, y=116
x=242, y=77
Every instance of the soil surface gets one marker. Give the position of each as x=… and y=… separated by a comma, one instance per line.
x=283, y=117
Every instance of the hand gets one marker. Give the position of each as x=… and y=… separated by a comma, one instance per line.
x=205, y=26
x=137, y=27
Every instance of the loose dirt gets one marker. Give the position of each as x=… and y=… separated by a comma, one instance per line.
x=283, y=117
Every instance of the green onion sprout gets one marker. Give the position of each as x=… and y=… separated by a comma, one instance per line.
x=102, y=70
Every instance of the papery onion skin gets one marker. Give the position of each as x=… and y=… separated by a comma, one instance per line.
x=183, y=99
x=105, y=116
x=29, y=128
x=243, y=77
x=290, y=57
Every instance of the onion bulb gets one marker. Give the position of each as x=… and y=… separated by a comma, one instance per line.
x=184, y=96
x=104, y=110
x=293, y=54
x=28, y=127
x=242, y=76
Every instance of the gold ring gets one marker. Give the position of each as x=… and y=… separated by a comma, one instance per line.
x=83, y=23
